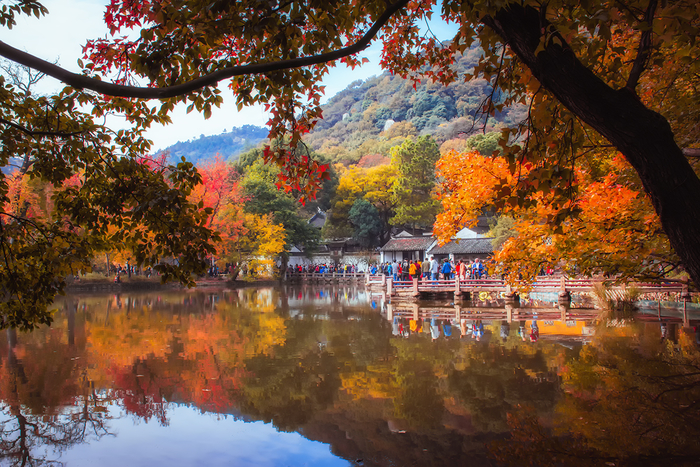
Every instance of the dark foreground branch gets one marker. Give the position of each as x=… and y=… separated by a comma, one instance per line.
x=110, y=89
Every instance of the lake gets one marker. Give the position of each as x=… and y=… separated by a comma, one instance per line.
x=328, y=375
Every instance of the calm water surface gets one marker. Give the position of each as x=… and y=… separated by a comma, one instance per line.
x=328, y=376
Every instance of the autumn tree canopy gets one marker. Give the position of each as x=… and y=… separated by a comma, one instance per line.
x=600, y=73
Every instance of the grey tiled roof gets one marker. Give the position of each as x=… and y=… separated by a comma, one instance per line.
x=408, y=244
x=464, y=246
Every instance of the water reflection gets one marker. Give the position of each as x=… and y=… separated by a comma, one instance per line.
x=430, y=384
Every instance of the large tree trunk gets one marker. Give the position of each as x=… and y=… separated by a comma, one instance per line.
x=643, y=136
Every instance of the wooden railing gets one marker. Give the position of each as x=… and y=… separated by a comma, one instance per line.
x=561, y=285
x=325, y=276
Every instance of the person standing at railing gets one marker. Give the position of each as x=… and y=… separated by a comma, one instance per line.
x=446, y=270
x=395, y=270
x=412, y=270
x=477, y=269
x=425, y=269
x=434, y=267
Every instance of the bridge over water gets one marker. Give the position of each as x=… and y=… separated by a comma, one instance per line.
x=562, y=286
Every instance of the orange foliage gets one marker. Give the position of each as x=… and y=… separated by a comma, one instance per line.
x=613, y=228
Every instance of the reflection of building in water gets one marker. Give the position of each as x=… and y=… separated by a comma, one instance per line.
x=344, y=299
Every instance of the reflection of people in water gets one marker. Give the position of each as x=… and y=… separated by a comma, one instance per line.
x=395, y=326
x=521, y=330
x=464, y=328
x=534, y=331
x=415, y=325
x=478, y=330
x=404, y=330
x=446, y=328
x=434, y=328
x=505, y=330
x=664, y=330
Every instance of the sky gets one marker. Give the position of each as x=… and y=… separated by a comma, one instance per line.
x=61, y=34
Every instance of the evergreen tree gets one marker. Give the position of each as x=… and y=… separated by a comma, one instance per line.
x=412, y=191
x=368, y=225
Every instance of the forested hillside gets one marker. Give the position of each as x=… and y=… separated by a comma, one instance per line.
x=369, y=117
x=226, y=145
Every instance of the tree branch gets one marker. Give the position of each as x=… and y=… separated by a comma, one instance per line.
x=110, y=89
x=29, y=132
x=640, y=60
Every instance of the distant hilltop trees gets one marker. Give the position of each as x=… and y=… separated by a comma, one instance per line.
x=227, y=145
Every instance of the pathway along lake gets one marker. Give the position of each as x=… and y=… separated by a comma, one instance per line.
x=320, y=376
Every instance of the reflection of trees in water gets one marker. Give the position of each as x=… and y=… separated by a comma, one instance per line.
x=28, y=426
x=495, y=379
x=288, y=386
x=418, y=400
x=240, y=353
x=623, y=405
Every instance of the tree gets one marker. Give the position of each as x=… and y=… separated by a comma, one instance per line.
x=615, y=230
x=263, y=198
x=598, y=73
x=374, y=185
x=244, y=236
x=595, y=80
x=260, y=244
x=413, y=189
x=365, y=217
x=104, y=194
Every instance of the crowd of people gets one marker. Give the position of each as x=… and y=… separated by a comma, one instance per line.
x=129, y=270
x=324, y=268
x=431, y=269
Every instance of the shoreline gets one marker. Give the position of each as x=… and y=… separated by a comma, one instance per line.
x=91, y=285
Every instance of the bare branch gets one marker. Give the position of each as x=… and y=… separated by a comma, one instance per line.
x=20, y=75
x=110, y=89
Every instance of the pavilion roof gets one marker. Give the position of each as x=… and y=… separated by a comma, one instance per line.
x=409, y=244
x=464, y=246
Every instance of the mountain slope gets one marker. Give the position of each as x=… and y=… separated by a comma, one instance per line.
x=226, y=145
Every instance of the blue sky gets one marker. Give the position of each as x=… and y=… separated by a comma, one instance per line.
x=62, y=33
x=194, y=438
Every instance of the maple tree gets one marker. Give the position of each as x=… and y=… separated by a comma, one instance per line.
x=244, y=236
x=74, y=188
x=615, y=230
